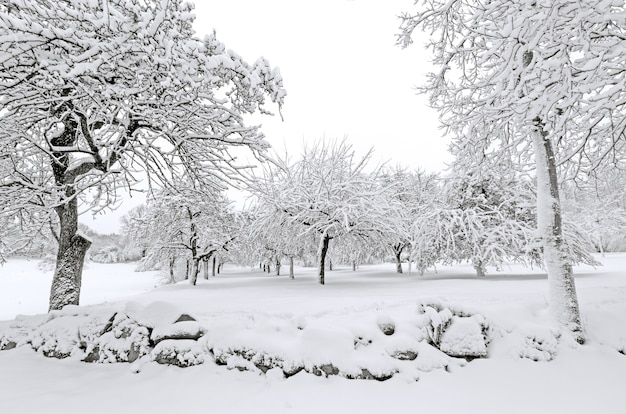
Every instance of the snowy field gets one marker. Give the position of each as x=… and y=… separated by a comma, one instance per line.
x=303, y=321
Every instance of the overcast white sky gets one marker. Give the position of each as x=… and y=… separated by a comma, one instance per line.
x=343, y=74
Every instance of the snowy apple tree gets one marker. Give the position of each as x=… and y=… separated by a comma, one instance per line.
x=598, y=206
x=95, y=95
x=182, y=223
x=414, y=192
x=531, y=79
x=328, y=192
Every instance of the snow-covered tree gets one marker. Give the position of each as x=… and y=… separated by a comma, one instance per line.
x=274, y=237
x=598, y=206
x=329, y=192
x=415, y=193
x=490, y=218
x=93, y=92
x=540, y=78
x=182, y=224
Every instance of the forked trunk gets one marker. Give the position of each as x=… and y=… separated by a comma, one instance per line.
x=562, y=288
x=398, y=262
x=68, y=272
x=397, y=251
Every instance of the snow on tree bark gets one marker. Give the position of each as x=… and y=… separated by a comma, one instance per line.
x=562, y=288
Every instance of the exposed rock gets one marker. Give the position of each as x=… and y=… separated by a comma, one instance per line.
x=406, y=355
x=185, y=318
x=366, y=374
x=324, y=369
x=93, y=355
x=386, y=325
x=5, y=345
x=360, y=341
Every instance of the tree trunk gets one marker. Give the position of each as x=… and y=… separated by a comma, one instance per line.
x=66, y=282
x=291, y=276
x=478, y=266
x=214, y=263
x=354, y=265
x=68, y=272
x=205, y=268
x=323, y=249
x=277, y=267
x=193, y=276
x=397, y=251
x=563, y=298
x=172, y=262
x=398, y=261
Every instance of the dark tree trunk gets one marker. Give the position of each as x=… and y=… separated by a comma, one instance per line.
x=68, y=272
x=205, y=268
x=397, y=251
x=323, y=249
x=398, y=262
x=354, y=265
x=193, y=276
x=172, y=263
x=66, y=282
x=291, y=276
x=277, y=267
x=214, y=265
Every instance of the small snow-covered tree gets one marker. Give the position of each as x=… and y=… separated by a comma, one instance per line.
x=598, y=206
x=491, y=219
x=93, y=92
x=541, y=79
x=329, y=192
x=414, y=192
x=183, y=223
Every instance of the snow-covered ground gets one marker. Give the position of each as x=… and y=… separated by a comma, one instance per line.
x=338, y=323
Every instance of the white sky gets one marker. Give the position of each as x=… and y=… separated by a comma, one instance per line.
x=343, y=74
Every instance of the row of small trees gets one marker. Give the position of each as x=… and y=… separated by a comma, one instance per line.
x=329, y=202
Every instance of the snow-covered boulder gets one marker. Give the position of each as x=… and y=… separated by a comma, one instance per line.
x=455, y=332
x=180, y=352
x=465, y=337
x=186, y=329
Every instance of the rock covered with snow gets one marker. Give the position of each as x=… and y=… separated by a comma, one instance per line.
x=378, y=347
x=453, y=331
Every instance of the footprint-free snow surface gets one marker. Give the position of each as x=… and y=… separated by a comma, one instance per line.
x=369, y=341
